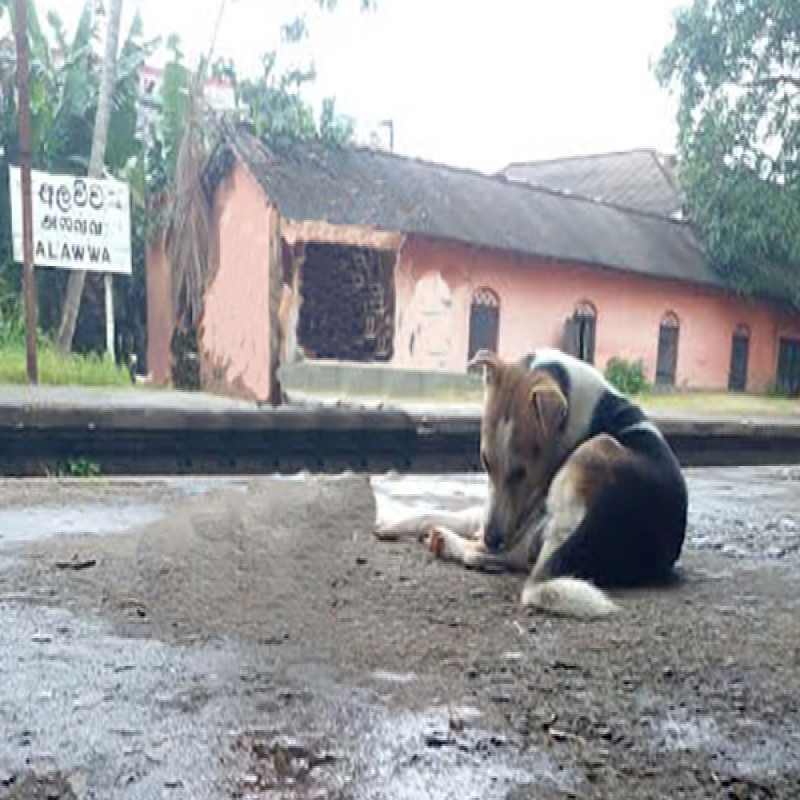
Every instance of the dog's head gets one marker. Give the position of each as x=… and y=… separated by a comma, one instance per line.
x=521, y=432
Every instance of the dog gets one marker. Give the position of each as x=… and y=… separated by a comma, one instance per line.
x=585, y=493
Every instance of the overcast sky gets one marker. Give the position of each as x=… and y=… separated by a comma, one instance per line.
x=475, y=83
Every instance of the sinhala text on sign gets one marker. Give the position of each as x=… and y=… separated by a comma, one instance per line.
x=78, y=223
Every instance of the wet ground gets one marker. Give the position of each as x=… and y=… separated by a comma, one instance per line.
x=199, y=638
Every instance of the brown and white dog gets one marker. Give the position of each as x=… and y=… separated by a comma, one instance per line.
x=584, y=491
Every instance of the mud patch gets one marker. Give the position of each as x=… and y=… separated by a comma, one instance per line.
x=278, y=764
x=30, y=785
x=269, y=615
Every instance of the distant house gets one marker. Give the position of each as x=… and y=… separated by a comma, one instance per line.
x=639, y=180
x=351, y=254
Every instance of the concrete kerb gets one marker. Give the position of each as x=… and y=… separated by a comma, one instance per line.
x=142, y=439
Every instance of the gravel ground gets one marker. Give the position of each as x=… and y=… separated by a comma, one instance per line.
x=194, y=638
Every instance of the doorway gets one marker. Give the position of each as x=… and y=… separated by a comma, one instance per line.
x=667, y=360
x=580, y=332
x=788, y=377
x=740, y=354
x=484, y=322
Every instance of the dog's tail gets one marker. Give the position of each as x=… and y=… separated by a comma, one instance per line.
x=568, y=597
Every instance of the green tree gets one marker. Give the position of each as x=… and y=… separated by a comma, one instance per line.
x=270, y=105
x=64, y=97
x=736, y=65
x=64, y=88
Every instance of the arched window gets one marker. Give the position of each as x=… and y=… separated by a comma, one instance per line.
x=667, y=361
x=740, y=355
x=484, y=321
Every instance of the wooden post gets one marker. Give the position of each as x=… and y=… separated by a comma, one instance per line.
x=24, y=120
x=109, y=293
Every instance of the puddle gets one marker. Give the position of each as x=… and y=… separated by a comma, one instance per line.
x=141, y=716
x=18, y=525
x=386, y=676
x=398, y=497
x=470, y=487
x=199, y=487
x=75, y=697
x=750, y=750
x=685, y=733
x=411, y=755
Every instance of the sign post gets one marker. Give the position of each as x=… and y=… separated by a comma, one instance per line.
x=26, y=255
x=109, y=293
x=78, y=223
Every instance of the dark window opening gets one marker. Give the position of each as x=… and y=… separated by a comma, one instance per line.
x=788, y=377
x=667, y=360
x=347, y=301
x=484, y=322
x=740, y=355
x=580, y=332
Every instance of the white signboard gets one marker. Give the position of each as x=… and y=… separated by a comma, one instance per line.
x=78, y=223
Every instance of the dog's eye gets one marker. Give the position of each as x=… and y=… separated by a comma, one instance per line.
x=516, y=476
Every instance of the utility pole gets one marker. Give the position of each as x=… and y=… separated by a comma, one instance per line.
x=24, y=119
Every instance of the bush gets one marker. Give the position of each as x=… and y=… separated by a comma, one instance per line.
x=776, y=391
x=12, y=322
x=628, y=377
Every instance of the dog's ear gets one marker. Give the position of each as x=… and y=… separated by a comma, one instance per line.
x=549, y=406
x=491, y=363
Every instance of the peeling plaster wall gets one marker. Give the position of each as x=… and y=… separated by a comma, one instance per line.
x=537, y=296
x=238, y=336
x=424, y=332
x=160, y=319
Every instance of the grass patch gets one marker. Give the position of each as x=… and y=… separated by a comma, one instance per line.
x=57, y=369
x=729, y=403
x=82, y=468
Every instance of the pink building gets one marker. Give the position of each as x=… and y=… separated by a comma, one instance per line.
x=360, y=256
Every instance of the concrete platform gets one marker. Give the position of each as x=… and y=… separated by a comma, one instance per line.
x=87, y=399
x=43, y=430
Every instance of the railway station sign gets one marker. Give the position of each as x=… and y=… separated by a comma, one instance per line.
x=78, y=223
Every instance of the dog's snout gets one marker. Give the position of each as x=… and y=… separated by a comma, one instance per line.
x=493, y=536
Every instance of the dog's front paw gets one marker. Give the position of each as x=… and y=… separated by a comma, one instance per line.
x=385, y=531
x=434, y=541
x=379, y=531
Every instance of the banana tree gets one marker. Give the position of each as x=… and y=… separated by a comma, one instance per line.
x=65, y=94
x=108, y=72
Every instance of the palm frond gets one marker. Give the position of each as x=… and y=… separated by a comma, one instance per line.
x=189, y=213
x=189, y=219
